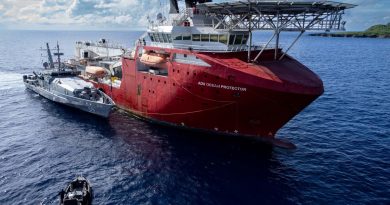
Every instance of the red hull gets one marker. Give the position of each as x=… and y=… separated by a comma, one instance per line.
x=229, y=97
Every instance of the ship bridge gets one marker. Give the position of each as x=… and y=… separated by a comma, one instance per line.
x=228, y=26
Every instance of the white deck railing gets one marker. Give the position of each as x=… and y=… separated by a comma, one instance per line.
x=211, y=48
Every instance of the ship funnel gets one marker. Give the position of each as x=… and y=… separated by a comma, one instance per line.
x=174, y=7
x=192, y=3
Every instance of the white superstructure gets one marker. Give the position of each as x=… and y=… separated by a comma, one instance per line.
x=99, y=50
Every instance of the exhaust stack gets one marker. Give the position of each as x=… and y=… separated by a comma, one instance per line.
x=174, y=7
x=192, y=3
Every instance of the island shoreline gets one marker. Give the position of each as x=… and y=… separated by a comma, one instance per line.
x=347, y=35
x=376, y=31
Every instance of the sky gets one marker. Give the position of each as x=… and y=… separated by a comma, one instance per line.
x=133, y=14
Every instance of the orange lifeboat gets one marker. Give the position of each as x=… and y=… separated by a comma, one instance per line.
x=153, y=59
x=95, y=71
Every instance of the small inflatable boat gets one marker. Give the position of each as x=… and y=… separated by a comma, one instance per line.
x=78, y=192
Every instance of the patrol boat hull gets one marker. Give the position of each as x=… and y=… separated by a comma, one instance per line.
x=99, y=109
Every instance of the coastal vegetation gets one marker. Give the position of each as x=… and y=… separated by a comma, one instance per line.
x=376, y=31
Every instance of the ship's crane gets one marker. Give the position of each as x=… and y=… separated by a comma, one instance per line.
x=49, y=56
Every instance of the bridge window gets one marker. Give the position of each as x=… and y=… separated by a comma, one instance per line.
x=186, y=37
x=195, y=37
x=213, y=38
x=245, y=39
x=151, y=37
x=178, y=38
x=238, y=40
x=205, y=37
x=164, y=37
x=231, y=39
x=160, y=38
x=156, y=37
x=169, y=37
x=223, y=39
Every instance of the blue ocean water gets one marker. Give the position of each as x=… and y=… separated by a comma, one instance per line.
x=343, y=138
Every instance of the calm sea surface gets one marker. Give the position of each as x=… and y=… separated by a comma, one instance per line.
x=343, y=138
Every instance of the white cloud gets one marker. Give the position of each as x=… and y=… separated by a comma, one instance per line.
x=126, y=14
x=366, y=13
x=116, y=14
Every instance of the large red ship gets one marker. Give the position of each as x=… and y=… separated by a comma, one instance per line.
x=199, y=69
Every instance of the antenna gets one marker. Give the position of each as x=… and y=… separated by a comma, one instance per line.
x=58, y=54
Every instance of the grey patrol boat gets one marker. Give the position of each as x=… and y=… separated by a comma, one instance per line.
x=61, y=84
